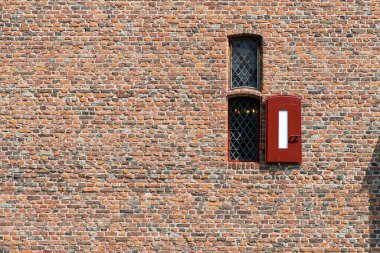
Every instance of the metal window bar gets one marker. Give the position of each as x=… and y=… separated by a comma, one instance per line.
x=243, y=129
x=245, y=62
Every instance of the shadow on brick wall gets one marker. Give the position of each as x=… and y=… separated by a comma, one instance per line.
x=372, y=184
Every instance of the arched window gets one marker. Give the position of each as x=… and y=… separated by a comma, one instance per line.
x=244, y=128
x=245, y=62
x=244, y=110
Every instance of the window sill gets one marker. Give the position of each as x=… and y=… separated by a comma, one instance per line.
x=248, y=161
x=244, y=92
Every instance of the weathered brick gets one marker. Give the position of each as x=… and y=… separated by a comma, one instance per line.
x=113, y=127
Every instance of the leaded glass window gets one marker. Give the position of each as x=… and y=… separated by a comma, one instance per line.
x=245, y=62
x=244, y=125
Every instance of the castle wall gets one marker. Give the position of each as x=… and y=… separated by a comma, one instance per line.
x=114, y=136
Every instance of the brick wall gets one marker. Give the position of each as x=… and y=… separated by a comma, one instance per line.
x=113, y=127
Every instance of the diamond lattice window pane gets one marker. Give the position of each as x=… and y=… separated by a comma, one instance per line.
x=245, y=62
x=244, y=126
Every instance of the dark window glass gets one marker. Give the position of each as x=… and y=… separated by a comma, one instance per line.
x=245, y=62
x=244, y=125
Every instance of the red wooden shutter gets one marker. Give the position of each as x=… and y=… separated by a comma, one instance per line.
x=283, y=111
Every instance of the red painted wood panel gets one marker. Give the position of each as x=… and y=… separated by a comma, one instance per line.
x=292, y=154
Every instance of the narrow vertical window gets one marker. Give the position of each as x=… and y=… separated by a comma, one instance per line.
x=244, y=125
x=245, y=62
